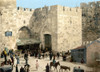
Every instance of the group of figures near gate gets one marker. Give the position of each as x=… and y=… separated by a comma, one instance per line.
x=14, y=56
x=11, y=62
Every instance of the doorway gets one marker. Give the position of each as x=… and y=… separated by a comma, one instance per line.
x=48, y=45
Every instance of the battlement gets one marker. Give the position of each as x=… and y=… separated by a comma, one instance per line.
x=58, y=7
x=68, y=9
x=24, y=9
x=47, y=8
x=51, y=8
x=90, y=4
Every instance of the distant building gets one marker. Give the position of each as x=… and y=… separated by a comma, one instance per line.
x=93, y=53
x=90, y=53
x=78, y=54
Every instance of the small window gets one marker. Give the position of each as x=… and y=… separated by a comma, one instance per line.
x=8, y=33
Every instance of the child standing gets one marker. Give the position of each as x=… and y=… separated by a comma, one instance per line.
x=37, y=65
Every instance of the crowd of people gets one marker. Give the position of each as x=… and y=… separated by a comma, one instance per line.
x=15, y=60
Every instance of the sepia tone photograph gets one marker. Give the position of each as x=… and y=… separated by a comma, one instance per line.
x=49, y=35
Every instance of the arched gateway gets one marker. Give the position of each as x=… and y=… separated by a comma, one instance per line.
x=25, y=40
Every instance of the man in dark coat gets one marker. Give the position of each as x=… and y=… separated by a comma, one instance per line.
x=47, y=68
x=50, y=55
x=58, y=55
x=26, y=58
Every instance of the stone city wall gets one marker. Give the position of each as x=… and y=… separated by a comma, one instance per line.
x=69, y=28
x=13, y=20
x=90, y=20
x=44, y=21
x=62, y=23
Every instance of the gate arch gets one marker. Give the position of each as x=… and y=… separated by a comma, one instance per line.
x=24, y=32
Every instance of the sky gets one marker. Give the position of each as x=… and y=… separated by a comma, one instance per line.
x=41, y=3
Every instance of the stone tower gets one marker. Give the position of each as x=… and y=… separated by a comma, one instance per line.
x=7, y=8
x=8, y=3
x=61, y=26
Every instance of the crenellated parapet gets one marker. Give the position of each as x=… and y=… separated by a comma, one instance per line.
x=24, y=9
x=46, y=9
x=68, y=9
x=49, y=9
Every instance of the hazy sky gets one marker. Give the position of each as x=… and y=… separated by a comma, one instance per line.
x=41, y=3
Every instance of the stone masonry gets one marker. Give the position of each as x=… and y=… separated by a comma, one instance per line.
x=69, y=28
x=62, y=23
x=90, y=20
x=12, y=20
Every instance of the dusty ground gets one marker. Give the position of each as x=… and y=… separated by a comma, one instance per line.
x=43, y=63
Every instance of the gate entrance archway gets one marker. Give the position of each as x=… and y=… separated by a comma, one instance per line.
x=48, y=45
x=25, y=42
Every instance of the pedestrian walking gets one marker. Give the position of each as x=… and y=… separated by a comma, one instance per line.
x=47, y=68
x=15, y=61
x=10, y=61
x=37, y=65
x=58, y=55
x=26, y=58
x=16, y=68
x=5, y=56
x=82, y=60
x=50, y=55
x=28, y=68
x=12, y=56
x=39, y=55
x=54, y=61
x=17, y=58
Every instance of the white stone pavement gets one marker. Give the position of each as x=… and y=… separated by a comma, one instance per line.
x=43, y=63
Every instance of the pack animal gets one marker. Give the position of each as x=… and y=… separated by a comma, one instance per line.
x=64, y=68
